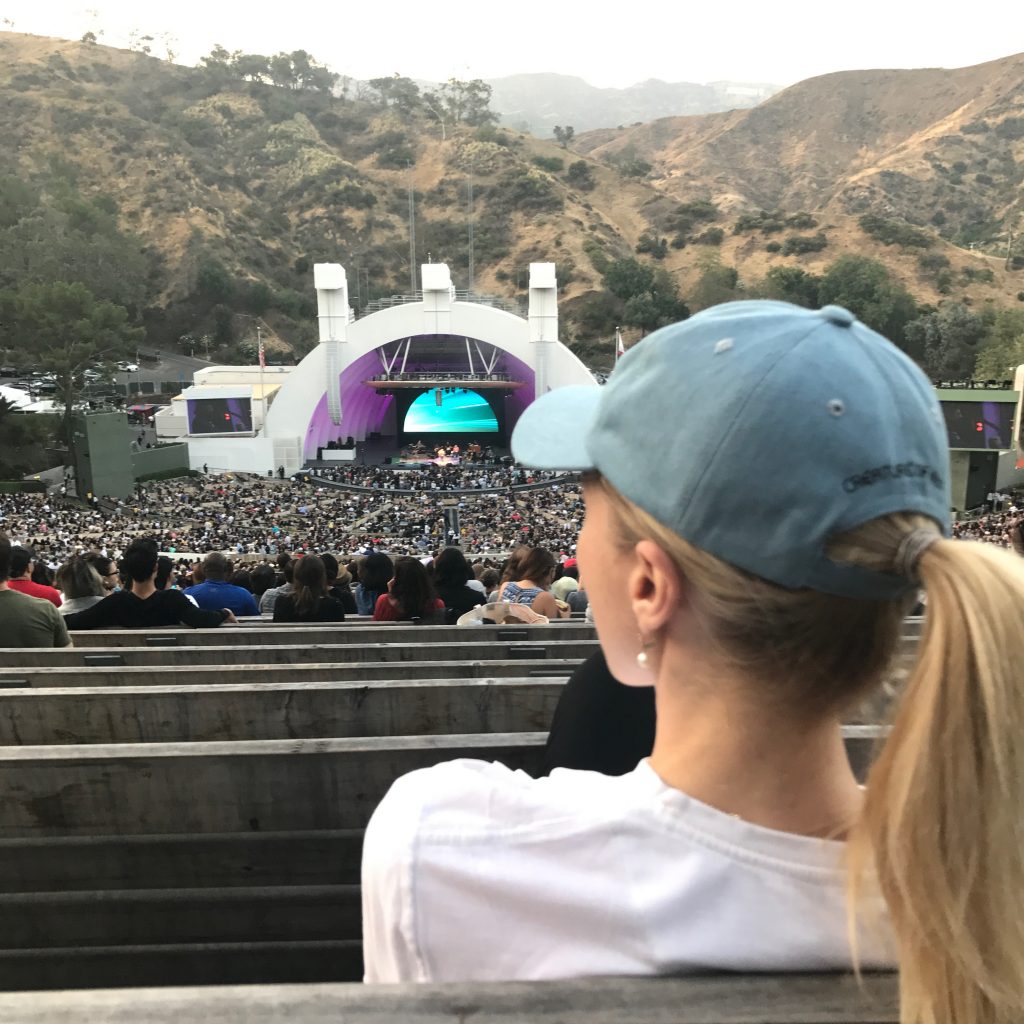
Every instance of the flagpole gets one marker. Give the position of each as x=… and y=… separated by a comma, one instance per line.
x=263, y=390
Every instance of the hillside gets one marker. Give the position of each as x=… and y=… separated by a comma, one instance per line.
x=221, y=185
x=937, y=150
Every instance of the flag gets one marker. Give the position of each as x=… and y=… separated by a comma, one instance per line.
x=620, y=348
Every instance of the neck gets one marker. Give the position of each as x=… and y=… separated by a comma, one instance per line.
x=143, y=589
x=717, y=742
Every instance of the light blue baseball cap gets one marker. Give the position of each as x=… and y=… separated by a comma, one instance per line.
x=757, y=431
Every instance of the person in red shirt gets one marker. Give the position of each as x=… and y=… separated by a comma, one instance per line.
x=410, y=595
x=22, y=560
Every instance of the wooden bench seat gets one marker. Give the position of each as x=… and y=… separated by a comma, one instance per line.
x=269, y=710
x=292, y=654
x=278, y=634
x=714, y=999
x=114, y=676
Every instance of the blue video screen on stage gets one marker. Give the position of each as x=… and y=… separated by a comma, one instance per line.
x=460, y=412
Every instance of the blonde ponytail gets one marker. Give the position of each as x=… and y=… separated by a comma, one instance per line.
x=942, y=827
x=942, y=824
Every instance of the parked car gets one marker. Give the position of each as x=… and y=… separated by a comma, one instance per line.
x=128, y=367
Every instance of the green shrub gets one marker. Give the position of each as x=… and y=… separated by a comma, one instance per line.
x=1011, y=128
x=552, y=164
x=580, y=176
x=652, y=245
x=796, y=245
x=713, y=236
x=801, y=220
x=894, y=232
x=773, y=247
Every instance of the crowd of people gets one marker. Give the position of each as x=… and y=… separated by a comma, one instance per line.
x=432, y=477
x=252, y=516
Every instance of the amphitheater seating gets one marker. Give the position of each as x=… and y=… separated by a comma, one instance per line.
x=194, y=815
x=721, y=999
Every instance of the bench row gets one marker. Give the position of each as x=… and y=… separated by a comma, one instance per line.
x=719, y=999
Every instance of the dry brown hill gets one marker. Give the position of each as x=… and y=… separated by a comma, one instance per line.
x=939, y=149
x=262, y=181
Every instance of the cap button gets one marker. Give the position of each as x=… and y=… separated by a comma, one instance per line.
x=837, y=315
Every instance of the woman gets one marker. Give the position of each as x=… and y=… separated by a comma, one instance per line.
x=535, y=568
x=760, y=615
x=451, y=574
x=410, y=595
x=80, y=585
x=309, y=600
x=375, y=572
x=339, y=583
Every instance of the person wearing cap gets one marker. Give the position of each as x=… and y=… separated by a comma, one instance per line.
x=760, y=615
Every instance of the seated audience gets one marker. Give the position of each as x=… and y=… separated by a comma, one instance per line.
x=107, y=570
x=375, y=572
x=79, y=584
x=21, y=564
x=410, y=595
x=339, y=583
x=535, y=568
x=566, y=584
x=216, y=592
x=760, y=615
x=452, y=574
x=270, y=596
x=26, y=621
x=309, y=600
x=144, y=606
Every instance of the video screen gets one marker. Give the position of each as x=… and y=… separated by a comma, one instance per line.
x=219, y=415
x=984, y=425
x=460, y=411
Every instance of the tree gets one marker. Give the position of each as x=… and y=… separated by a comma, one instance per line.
x=89, y=37
x=396, y=91
x=563, y=136
x=717, y=283
x=457, y=102
x=1002, y=351
x=649, y=297
x=946, y=341
x=68, y=331
x=791, y=284
x=864, y=287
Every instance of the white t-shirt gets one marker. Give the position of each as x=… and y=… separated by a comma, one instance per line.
x=472, y=872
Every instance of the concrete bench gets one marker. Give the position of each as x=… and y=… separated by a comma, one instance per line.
x=272, y=710
x=195, y=675
x=169, y=709
x=271, y=634
x=714, y=999
x=241, y=786
x=288, y=654
x=201, y=862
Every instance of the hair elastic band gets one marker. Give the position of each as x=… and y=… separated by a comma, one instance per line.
x=909, y=553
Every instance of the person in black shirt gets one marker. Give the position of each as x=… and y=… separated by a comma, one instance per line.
x=144, y=606
x=600, y=724
x=338, y=584
x=309, y=601
x=451, y=572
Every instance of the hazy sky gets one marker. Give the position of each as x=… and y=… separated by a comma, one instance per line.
x=608, y=44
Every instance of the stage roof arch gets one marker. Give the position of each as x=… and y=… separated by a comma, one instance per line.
x=433, y=336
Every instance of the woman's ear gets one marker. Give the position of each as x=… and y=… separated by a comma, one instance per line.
x=656, y=587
